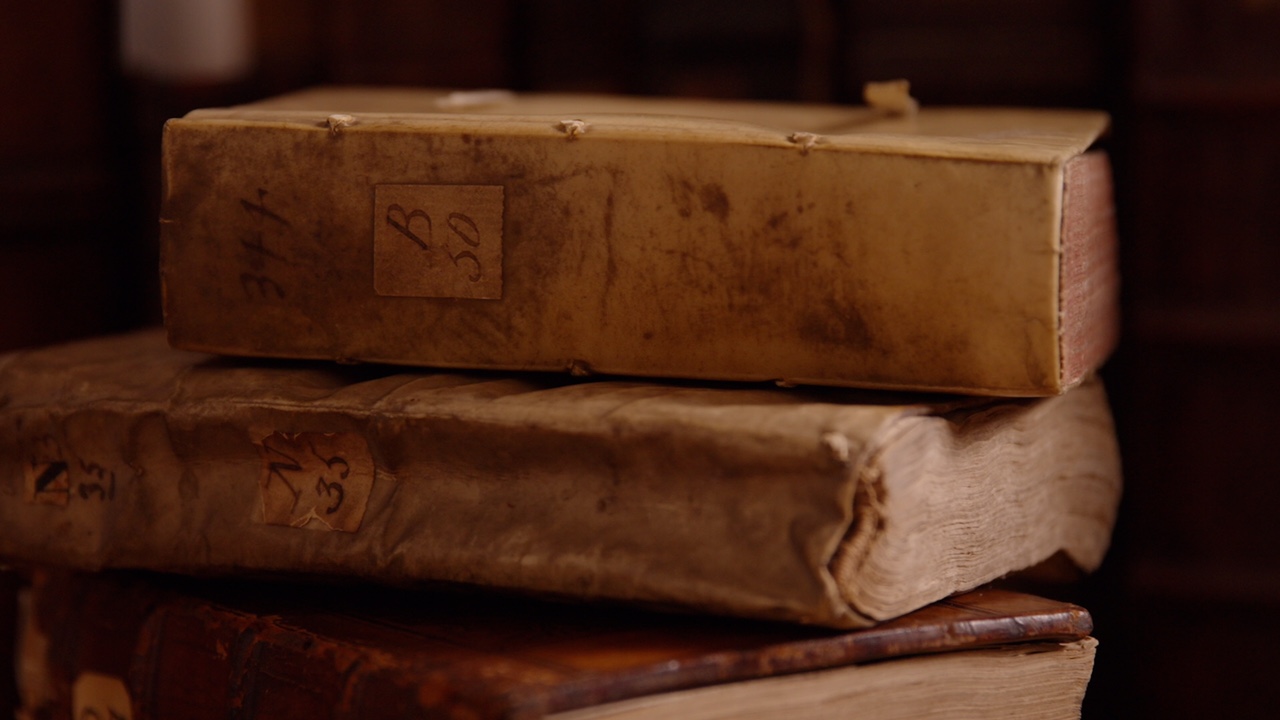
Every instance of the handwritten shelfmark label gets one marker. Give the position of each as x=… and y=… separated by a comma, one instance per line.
x=441, y=241
x=315, y=480
x=47, y=473
x=261, y=228
x=54, y=476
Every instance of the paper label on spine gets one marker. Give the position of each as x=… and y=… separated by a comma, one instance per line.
x=438, y=241
x=54, y=473
x=319, y=481
x=100, y=697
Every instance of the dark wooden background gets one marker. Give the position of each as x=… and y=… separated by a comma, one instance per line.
x=1188, y=603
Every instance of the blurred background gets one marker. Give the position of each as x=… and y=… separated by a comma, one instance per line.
x=1187, y=606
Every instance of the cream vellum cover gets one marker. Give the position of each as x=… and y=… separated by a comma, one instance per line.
x=835, y=507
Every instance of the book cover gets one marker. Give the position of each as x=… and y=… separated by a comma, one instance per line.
x=826, y=506
x=966, y=250
x=139, y=648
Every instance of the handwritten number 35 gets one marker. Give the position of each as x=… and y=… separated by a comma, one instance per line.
x=459, y=224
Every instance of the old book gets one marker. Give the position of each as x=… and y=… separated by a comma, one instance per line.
x=140, y=649
x=963, y=250
x=827, y=506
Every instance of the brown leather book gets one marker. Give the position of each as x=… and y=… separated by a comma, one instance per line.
x=968, y=250
x=830, y=507
x=144, y=648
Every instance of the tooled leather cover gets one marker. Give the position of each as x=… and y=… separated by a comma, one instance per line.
x=273, y=651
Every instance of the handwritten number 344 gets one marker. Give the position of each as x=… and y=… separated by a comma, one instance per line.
x=460, y=225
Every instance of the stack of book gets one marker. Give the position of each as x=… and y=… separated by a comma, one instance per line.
x=868, y=338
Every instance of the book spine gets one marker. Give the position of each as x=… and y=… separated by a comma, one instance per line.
x=643, y=508
x=133, y=652
x=137, y=648
x=588, y=246
x=256, y=667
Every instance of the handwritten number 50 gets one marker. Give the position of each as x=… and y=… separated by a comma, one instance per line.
x=459, y=224
x=465, y=228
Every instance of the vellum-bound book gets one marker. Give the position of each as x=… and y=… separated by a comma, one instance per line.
x=967, y=250
x=139, y=648
x=830, y=507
